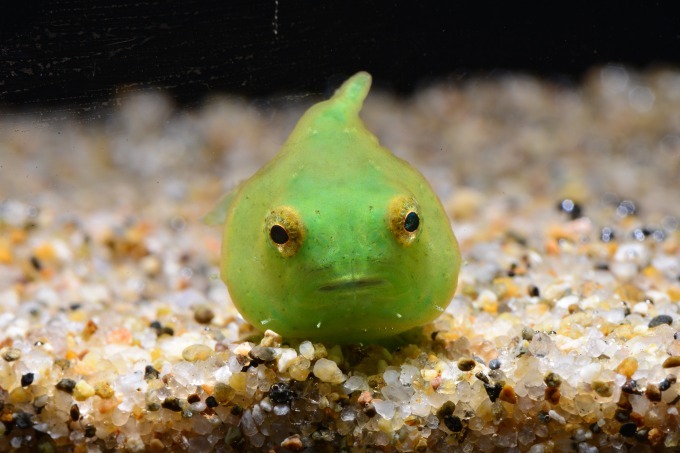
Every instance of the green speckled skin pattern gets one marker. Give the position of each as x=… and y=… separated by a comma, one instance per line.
x=347, y=276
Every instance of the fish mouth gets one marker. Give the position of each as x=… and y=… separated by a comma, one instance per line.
x=352, y=284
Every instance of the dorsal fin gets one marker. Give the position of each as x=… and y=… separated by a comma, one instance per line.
x=349, y=98
x=338, y=113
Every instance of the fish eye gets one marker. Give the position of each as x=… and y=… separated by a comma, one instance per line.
x=278, y=234
x=411, y=222
x=284, y=229
x=405, y=220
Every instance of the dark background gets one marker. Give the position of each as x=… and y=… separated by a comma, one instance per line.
x=81, y=53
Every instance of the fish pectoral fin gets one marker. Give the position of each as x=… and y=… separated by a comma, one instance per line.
x=218, y=215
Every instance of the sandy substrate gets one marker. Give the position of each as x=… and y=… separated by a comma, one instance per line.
x=117, y=333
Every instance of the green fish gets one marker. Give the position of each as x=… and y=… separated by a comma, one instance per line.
x=336, y=239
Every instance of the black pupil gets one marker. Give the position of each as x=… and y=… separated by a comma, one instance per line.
x=278, y=234
x=411, y=222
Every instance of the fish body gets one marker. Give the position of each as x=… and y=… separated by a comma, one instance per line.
x=336, y=238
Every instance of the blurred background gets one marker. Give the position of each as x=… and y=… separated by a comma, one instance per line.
x=136, y=100
x=76, y=56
